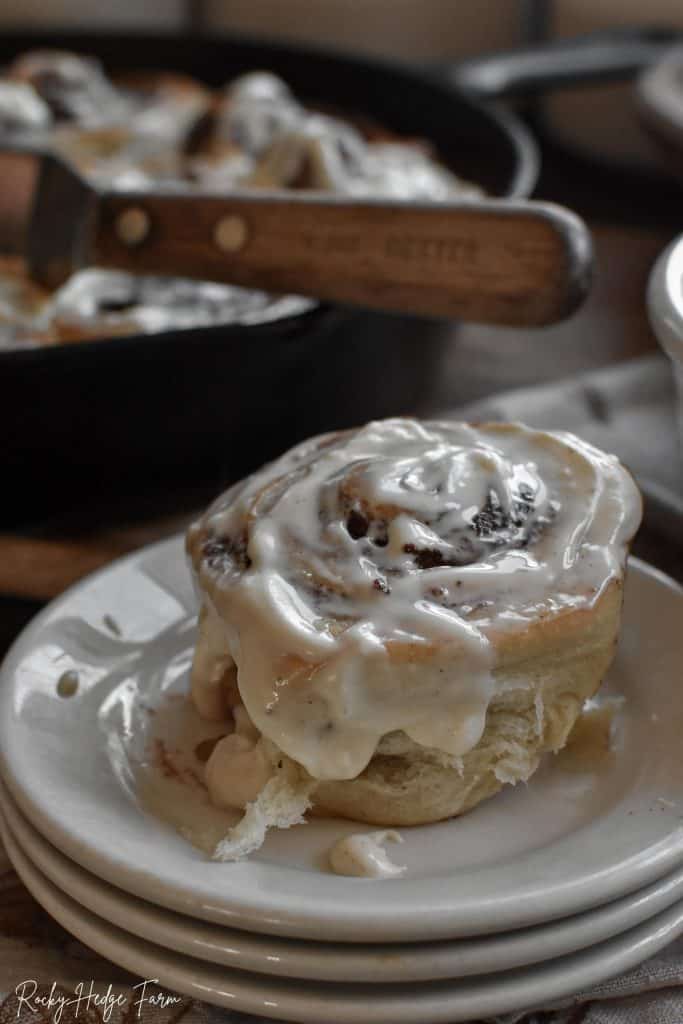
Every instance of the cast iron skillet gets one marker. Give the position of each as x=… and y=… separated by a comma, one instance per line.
x=612, y=55
x=158, y=412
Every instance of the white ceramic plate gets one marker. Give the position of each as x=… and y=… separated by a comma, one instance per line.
x=566, y=842
x=341, y=962
x=322, y=1003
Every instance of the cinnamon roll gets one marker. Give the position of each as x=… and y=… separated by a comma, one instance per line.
x=260, y=136
x=406, y=616
x=74, y=87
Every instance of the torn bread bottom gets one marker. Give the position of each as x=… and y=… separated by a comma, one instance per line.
x=543, y=678
x=406, y=784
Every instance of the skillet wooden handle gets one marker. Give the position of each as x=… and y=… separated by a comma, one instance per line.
x=496, y=261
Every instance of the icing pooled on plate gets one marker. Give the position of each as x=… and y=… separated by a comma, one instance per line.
x=362, y=855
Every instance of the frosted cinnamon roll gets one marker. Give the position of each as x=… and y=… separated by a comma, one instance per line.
x=74, y=87
x=407, y=615
x=261, y=136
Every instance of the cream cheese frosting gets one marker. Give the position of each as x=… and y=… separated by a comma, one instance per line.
x=362, y=855
x=360, y=582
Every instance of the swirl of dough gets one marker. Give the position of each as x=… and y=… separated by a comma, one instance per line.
x=362, y=580
x=75, y=88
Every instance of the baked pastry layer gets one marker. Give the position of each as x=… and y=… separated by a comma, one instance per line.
x=545, y=675
x=411, y=613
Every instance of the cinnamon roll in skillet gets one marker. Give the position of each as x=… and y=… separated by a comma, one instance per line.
x=141, y=129
x=400, y=619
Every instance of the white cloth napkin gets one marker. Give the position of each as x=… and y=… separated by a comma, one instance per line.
x=627, y=409
x=649, y=994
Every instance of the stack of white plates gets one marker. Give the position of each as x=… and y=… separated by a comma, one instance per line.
x=534, y=895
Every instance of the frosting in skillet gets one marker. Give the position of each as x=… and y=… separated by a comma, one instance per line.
x=291, y=146
x=21, y=108
x=74, y=87
x=360, y=581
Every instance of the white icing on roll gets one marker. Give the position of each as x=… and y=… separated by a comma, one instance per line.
x=361, y=580
x=101, y=301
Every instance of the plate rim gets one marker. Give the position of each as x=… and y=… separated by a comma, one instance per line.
x=294, y=1000
x=429, y=920
x=283, y=957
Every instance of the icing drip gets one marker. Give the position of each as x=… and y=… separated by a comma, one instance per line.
x=362, y=855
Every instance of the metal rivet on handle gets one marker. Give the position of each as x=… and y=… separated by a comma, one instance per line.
x=230, y=233
x=133, y=225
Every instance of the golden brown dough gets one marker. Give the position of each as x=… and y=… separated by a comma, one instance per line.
x=549, y=672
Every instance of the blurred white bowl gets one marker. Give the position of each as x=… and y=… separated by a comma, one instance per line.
x=665, y=306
